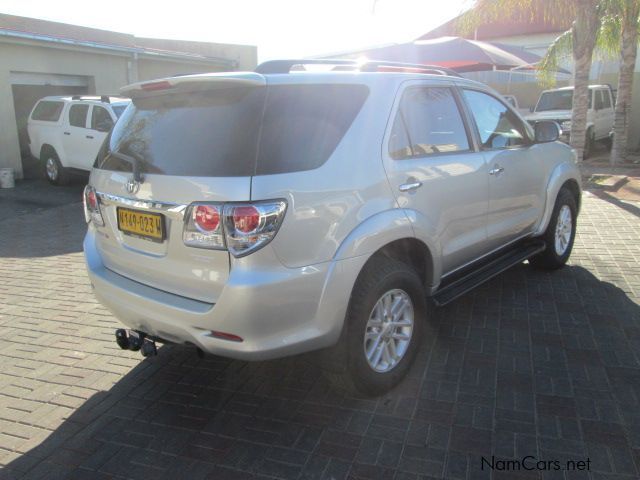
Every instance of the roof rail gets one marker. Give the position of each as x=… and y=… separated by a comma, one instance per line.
x=285, y=66
x=103, y=98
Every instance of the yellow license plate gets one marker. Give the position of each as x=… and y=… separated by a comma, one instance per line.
x=141, y=224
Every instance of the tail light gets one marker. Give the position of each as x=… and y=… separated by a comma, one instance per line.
x=92, y=206
x=242, y=228
x=154, y=86
x=203, y=228
x=249, y=227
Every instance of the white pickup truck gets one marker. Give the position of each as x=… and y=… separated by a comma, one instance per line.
x=65, y=133
x=557, y=105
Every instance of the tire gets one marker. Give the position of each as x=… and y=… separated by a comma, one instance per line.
x=382, y=278
x=54, y=172
x=557, y=251
x=589, y=144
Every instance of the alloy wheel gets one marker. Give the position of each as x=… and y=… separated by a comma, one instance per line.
x=564, y=227
x=388, y=331
x=52, y=169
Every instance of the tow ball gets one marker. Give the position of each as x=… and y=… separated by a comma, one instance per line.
x=134, y=340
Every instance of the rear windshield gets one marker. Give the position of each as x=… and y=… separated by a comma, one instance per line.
x=238, y=131
x=48, y=111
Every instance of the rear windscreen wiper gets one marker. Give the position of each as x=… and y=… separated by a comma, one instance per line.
x=135, y=164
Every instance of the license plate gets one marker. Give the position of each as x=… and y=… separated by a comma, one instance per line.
x=141, y=224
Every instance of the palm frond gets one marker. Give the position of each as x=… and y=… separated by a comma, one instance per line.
x=609, y=35
x=559, y=51
x=551, y=12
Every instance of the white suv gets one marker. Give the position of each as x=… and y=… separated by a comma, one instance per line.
x=264, y=214
x=65, y=133
x=557, y=105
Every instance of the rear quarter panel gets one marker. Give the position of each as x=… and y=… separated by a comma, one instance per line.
x=47, y=133
x=326, y=204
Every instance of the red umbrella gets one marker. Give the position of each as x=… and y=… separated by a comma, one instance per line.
x=457, y=53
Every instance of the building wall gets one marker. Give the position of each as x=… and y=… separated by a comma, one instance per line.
x=107, y=71
x=151, y=69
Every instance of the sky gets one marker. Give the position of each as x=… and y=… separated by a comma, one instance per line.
x=279, y=28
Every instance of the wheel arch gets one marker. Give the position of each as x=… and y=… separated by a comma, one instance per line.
x=412, y=252
x=565, y=175
x=393, y=233
x=47, y=148
x=389, y=233
x=574, y=188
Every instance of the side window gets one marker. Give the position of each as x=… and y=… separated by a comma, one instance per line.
x=78, y=115
x=428, y=122
x=47, y=111
x=599, y=103
x=100, y=119
x=497, y=125
x=399, y=144
x=606, y=99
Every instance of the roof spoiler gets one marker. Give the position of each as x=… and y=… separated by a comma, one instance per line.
x=342, y=64
x=192, y=83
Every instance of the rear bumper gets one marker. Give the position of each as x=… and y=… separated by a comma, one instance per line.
x=278, y=311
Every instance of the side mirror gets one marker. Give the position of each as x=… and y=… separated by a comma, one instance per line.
x=530, y=109
x=546, y=131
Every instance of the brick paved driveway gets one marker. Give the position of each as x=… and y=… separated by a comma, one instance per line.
x=538, y=364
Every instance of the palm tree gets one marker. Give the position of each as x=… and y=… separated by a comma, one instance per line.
x=625, y=13
x=618, y=35
x=586, y=23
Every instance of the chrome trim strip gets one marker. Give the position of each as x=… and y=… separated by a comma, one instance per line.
x=172, y=210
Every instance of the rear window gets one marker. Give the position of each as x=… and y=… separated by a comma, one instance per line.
x=239, y=131
x=303, y=125
x=48, y=111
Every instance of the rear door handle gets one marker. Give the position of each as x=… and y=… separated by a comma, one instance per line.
x=90, y=136
x=67, y=133
x=497, y=170
x=408, y=187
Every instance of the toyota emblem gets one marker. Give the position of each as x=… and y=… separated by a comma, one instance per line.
x=132, y=186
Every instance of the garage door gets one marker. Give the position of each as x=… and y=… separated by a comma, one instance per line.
x=27, y=89
x=48, y=79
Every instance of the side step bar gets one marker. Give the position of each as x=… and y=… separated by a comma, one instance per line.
x=461, y=285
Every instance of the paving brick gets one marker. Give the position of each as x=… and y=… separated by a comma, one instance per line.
x=532, y=363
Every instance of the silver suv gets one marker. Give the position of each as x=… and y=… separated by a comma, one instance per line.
x=265, y=214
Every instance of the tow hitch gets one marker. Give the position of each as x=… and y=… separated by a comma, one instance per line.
x=134, y=340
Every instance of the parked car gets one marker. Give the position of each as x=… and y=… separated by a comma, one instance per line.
x=266, y=214
x=557, y=105
x=65, y=133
